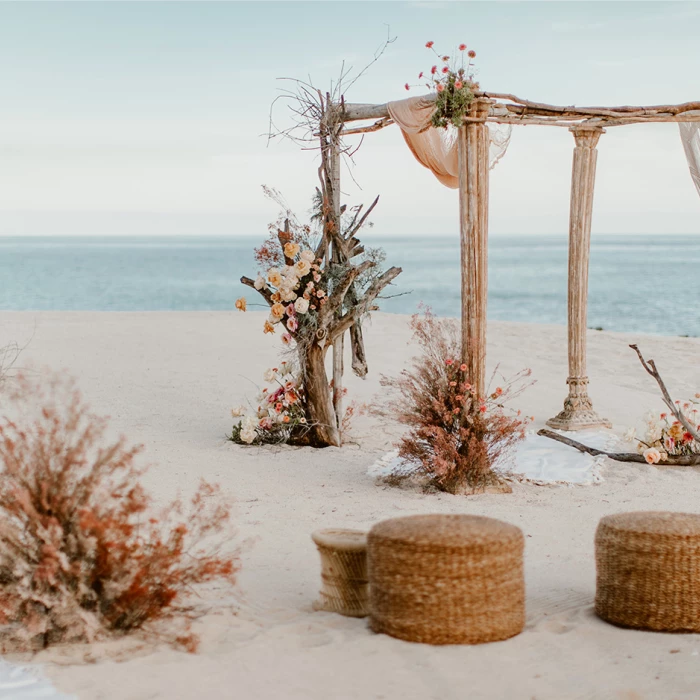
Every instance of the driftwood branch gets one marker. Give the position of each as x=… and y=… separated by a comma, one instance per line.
x=671, y=460
x=365, y=303
x=264, y=292
x=650, y=367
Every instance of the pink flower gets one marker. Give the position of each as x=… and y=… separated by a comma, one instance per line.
x=462, y=47
x=449, y=362
x=440, y=87
x=292, y=324
x=482, y=408
x=459, y=85
x=420, y=75
x=433, y=70
x=652, y=455
x=445, y=70
x=463, y=367
x=286, y=339
x=453, y=383
x=429, y=45
x=407, y=86
x=291, y=311
x=472, y=54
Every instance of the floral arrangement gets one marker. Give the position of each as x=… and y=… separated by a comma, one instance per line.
x=453, y=81
x=455, y=436
x=280, y=414
x=666, y=436
x=315, y=293
x=82, y=553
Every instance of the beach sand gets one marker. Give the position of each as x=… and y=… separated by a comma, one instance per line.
x=169, y=380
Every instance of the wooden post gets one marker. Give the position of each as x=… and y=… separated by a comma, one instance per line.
x=473, y=155
x=578, y=410
x=339, y=342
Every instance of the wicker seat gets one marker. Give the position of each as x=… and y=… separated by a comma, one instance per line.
x=446, y=579
x=648, y=571
x=343, y=571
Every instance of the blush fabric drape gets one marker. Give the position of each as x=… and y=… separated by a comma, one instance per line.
x=436, y=149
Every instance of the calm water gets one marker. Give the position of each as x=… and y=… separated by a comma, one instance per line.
x=637, y=283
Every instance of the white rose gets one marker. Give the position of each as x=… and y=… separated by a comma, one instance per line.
x=287, y=294
x=302, y=268
x=290, y=272
x=308, y=256
x=248, y=436
x=259, y=282
x=274, y=277
x=652, y=455
x=301, y=305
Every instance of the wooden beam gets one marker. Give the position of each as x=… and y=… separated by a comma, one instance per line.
x=578, y=412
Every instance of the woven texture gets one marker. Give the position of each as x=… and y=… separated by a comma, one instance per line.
x=446, y=579
x=344, y=587
x=648, y=571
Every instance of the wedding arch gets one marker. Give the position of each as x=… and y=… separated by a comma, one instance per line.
x=464, y=164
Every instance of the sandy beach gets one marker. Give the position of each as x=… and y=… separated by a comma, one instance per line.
x=169, y=380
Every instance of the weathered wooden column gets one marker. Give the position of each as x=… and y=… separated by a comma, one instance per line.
x=473, y=154
x=578, y=410
x=339, y=342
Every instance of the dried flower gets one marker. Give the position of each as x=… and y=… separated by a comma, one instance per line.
x=458, y=84
x=241, y=304
x=445, y=70
x=429, y=45
x=462, y=47
x=472, y=54
x=268, y=327
x=277, y=311
x=407, y=86
x=433, y=70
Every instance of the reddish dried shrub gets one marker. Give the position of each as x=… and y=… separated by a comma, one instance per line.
x=456, y=437
x=80, y=553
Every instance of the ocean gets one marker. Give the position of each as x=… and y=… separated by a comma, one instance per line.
x=647, y=284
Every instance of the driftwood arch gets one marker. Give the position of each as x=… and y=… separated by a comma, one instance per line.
x=587, y=124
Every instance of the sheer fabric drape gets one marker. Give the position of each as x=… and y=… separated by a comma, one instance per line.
x=436, y=149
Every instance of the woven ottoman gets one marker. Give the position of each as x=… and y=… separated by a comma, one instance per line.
x=648, y=571
x=343, y=571
x=446, y=579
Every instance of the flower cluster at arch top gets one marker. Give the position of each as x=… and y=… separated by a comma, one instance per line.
x=452, y=78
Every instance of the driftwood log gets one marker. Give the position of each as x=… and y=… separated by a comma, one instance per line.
x=671, y=460
x=678, y=461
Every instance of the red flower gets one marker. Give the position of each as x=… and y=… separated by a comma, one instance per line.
x=455, y=411
x=462, y=47
x=445, y=70
x=407, y=86
x=445, y=58
x=459, y=85
x=472, y=54
x=449, y=362
x=429, y=45
x=433, y=70
x=499, y=391
x=482, y=408
x=440, y=87
x=420, y=75
x=687, y=437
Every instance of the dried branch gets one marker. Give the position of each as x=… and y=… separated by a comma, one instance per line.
x=650, y=367
x=264, y=292
x=364, y=304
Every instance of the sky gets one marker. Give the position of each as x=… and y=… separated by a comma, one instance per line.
x=134, y=118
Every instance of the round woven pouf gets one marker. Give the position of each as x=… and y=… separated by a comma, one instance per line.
x=446, y=579
x=648, y=571
x=343, y=572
